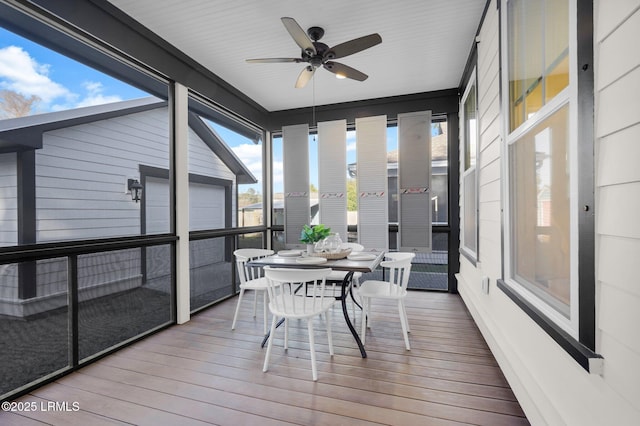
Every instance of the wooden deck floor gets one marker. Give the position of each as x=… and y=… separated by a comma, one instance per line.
x=204, y=373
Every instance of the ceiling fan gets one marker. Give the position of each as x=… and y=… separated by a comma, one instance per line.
x=318, y=54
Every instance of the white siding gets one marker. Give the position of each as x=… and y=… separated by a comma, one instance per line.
x=551, y=387
x=618, y=195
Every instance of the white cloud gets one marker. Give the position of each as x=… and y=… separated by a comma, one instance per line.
x=351, y=140
x=278, y=174
x=94, y=95
x=251, y=156
x=23, y=74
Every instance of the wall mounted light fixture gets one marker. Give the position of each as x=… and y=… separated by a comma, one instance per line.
x=136, y=189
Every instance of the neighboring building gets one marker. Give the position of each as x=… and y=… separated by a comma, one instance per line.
x=72, y=169
x=251, y=215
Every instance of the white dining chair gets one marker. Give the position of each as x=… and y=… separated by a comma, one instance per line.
x=395, y=288
x=251, y=278
x=285, y=303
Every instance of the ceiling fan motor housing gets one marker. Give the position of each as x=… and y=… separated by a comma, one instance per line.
x=318, y=54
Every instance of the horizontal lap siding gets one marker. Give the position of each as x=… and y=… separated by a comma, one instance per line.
x=202, y=161
x=81, y=175
x=489, y=220
x=618, y=195
x=8, y=200
x=8, y=222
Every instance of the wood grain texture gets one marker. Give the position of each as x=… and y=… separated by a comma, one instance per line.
x=201, y=372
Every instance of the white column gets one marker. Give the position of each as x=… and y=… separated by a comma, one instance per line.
x=181, y=166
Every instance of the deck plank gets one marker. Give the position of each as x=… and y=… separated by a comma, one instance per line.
x=202, y=372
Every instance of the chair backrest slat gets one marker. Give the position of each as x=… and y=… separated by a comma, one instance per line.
x=399, y=270
x=243, y=257
x=288, y=285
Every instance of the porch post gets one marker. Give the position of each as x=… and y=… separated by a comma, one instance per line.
x=181, y=196
x=26, y=167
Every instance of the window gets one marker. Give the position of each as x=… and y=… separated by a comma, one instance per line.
x=468, y=147
x=79, y=139
x=538, y=55
x=548, y=242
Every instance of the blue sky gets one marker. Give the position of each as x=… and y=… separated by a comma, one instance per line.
x=30, y=69
x=62, y=83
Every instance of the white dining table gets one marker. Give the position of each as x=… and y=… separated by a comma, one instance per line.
x=350, y=266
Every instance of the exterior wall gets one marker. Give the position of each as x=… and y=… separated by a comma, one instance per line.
x=202, y=161
x=9, y=200
x=617, y=88
x=551, y=387
x=8, y=222
x=82, y=171
x=81, y=175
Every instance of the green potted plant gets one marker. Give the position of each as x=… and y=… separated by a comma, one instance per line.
x=311, y=235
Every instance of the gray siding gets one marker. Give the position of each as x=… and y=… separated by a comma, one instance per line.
x=9, y=200
x=81, y=175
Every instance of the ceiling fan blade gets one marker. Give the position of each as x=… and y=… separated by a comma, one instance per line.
x=353, y=46
x=342, y=70
x=305, y=76
x=273, y=60
x=298, y=35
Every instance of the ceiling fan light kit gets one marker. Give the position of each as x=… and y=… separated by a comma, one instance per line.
x=318, y=54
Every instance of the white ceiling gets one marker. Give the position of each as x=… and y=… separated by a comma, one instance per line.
x=425, y=43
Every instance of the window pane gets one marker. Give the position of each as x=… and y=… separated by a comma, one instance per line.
x=210, y=266
x=539, y=197
x=123, y=294
x=33, y=333
x=538, y=55
x=277, y=217
x=249, y=152
x=469, y=211
x=439, y=173
x=516, y=63
x=80, y=139
x=556, y=47
x=439, y=177
x=470, y=128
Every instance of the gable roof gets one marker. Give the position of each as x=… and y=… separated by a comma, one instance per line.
x=26, y=133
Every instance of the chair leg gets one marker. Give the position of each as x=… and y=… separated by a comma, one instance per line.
x=265, y=367
x=406, y=318
x=329, y=336
x=255, y=302
x=235, y=315
x=286, y=334
x=312, y=350
x=264, y=311
x=403, y=322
